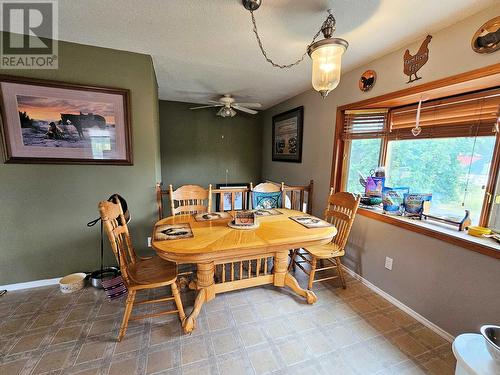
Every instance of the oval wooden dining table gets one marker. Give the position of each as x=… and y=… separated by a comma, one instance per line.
x=230, y=259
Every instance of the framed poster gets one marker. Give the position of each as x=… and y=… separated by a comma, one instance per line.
x=60, y=123
x=287, y=135
x=240, y=201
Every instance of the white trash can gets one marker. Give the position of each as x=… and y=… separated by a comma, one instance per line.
x=473, y=357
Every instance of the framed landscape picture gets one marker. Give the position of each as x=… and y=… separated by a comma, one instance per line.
x=287, y=135
x=54, y=122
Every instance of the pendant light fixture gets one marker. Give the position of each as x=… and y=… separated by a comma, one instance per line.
x=326, y=54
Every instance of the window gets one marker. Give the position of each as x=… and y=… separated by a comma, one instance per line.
x=452, y=157
x=446, y=167
x=365, y=154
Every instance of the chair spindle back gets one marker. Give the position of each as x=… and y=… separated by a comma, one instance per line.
x=118, y=235
x=340, y=211
x=190, y=199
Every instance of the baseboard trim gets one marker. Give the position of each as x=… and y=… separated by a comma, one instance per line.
x=436, y=329
x=30, y=284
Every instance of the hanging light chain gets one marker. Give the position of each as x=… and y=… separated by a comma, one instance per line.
x=329, y=22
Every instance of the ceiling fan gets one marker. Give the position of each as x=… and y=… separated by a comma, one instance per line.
x=228, y=105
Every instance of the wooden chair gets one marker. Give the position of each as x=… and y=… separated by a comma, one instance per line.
x=138, y=273
x=190, y=199
x=159, y=199
x=266, y=187
x=340, y=211
x=299, y=198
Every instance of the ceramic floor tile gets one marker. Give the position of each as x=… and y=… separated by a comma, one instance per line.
x=236, y=364
x=243, y=315
x=437, y=366
x=252, y=331
x=12, y=368
x=194, y=350
x=293, y=351
x=263, y=361
x=428, y=338
x=225, y=342
x=91, y=351
x=217, y=321
x=409, y=345
x=162, y=333
x=126, y=367
x=159, y=361
x=31, y=342
x=67, y=334
x=129, y=343
x=251, y=335
x=52, y=361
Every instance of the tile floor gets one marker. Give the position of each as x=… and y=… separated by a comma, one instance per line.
x=254, y=331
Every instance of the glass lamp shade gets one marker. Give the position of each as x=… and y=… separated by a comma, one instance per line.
x=326, y=58
x=226, y=112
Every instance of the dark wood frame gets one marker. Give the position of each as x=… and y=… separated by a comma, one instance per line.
x=299, y=112
x=478, y=79
x=125, y=93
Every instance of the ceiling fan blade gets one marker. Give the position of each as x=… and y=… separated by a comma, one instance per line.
x=243, y=109
x=207, y=106
x=254, y=105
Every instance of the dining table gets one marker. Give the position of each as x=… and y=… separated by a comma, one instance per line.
x=229, y=259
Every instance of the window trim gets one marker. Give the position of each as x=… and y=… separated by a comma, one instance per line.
x=479, y=79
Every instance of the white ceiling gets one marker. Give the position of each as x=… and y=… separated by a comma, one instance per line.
x=204, y=48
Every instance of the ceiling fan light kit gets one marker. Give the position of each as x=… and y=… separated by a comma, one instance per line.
x=228, y=106
x=226, y=112
x=326, y=54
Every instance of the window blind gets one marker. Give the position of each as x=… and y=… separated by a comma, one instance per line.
x=463, y=115
x=365, y=124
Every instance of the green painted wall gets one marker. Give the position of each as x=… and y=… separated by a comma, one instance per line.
x=197, y=146
x=44, y=208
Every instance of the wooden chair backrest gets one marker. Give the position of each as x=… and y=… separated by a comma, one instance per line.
x=190, y=199
x=340, y=211
x=266, y=187
x=295, y=197
x=159, y=199
x=118, y=235
x=231, y=192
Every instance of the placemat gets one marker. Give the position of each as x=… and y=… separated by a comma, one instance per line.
x=211, y=216
x=165, y=232
x=310, y=221
x=267, y=212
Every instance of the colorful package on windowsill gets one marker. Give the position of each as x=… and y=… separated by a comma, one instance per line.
x=374, y=186
x=393, y=199
x=414, y=203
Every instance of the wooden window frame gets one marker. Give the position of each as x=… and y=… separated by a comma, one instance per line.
x=479, y=79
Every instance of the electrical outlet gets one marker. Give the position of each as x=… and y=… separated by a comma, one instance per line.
x=149, y=241
x=388, y=263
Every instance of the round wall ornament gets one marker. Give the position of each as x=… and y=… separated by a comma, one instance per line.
x=487, y=38
x=367, y=80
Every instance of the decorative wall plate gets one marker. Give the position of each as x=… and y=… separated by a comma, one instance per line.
x=487, y=38
x=367, y=80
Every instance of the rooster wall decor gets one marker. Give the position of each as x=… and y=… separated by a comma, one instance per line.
x=413, y=63
x=367, y=80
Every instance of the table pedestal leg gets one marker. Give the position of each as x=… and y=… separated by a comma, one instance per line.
x=283, y=278
x=206, y=292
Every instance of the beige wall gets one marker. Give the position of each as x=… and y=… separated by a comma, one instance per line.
x=453, y=287
x=44, y=208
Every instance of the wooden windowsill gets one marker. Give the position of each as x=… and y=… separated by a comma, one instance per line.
x=437, y=230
